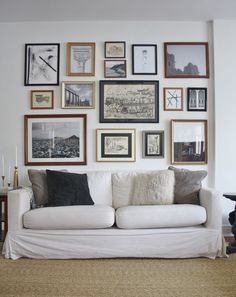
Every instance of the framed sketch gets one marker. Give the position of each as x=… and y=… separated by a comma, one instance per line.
x=42, y=99
x=186, y=60
x=189, y=142
x=81, y=58
x=42, y=64
x=78, y=94
x=197, y=99
x=114, y=68
x=173, y=99
x=129, y=101
x=144, y=59
x=153, y=144
x=116, y=145
x=55, y=139
x=114, y=49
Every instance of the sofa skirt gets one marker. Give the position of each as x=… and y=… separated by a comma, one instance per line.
x=187, y=242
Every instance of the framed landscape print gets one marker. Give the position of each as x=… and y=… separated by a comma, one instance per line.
x=173, y=99
x=114, y=49
x=81, y=58
x=186, y=60
x=189, y=142
x=129, y=101
x=55, y=139
x=197, y=99
x=116, y=145
x=144, y=59
x=78, y=94
x=153, y=144
x=114, y=68
x=42, y=64
x=42, y=99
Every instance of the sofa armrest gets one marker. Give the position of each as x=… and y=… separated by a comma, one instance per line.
x=18, y=203
x=210, y=199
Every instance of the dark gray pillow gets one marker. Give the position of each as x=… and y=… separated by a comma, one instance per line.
x=187, y=185
x=38, y=179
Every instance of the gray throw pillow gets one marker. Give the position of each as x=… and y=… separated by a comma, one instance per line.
x=187, y=185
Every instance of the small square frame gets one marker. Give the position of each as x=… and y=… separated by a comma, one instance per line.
x=173, y=99
x=153, y=144
x=42, y=99
x=115, y=69
x=197, y=99
x=115, y=49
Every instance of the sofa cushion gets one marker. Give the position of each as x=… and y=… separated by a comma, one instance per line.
x=160, y=216
x=154, y=188
x=70, y=217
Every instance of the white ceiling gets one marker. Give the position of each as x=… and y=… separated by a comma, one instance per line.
x=98, y=10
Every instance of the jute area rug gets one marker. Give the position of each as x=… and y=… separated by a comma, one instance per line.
x=118, y=278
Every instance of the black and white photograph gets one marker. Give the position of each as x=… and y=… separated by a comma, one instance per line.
x=144, y=59
x=114, y=49
x=173, y=99
x=78, y=95
x=115, y=145
x=197, y=99
x=153, y=144
x=186, y=60
x=55, y=139
x=42, y=64
x=114, y=68
x=129, y=101
x=81, y=58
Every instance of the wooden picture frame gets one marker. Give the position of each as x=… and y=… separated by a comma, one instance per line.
x=173, y=99
x=58, y=139
x=42, y=99
x=153, y=144
x=115, y=69
x=196, y=99
x=114, y=49
x=144, y=59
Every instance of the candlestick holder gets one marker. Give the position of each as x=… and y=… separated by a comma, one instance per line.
x=3, y=178
x=15, y=178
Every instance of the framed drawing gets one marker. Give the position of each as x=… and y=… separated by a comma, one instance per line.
x=81, y=58
x=55, y=139
x=173, y=99
x=153, y=144
x=144, y=59
x=78, y=94
x=197, y=99
x=189, y=142
x=115, y=145
x=114, y=49
x=129, y=101
x=42, y=64
x=186, y=60
x=114, y=68
x=42, y=99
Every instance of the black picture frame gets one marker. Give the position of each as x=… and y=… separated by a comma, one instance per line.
x=129, y=101
x=114, y=49
x=153, y=144
x=144, y=59
x=197, y=99
x=42, y=64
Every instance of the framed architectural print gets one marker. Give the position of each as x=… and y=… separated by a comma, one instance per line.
x=186, y=60
x=78, y=94
x=116, y=145
x=129, y=101
x=189, y=142
x=153, y=144
x=173, y=99
x=42, y=64
x=114, y=49
x=144, y=59
x=55, y=139
x=197, y=99
x=42, y=99
x=115, y=68
x=81, y=58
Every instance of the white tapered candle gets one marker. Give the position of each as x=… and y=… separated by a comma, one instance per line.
x=16, y=156
x=3, y=165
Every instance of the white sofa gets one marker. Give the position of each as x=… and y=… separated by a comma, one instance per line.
x=112, y=227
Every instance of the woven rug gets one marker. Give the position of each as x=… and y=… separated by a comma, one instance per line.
x=118, y=278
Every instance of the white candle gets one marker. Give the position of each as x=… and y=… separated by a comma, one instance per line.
x=9, y=174
x=16, y=156
x=3, y=165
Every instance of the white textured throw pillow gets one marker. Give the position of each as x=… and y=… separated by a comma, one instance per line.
x=154, y=188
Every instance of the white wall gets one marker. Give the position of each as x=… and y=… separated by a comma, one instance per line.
x=15, y=97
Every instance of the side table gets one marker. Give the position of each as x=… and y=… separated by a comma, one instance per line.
x=3, y=216
x=232, y=219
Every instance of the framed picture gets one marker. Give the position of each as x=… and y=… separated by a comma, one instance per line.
x=42, y=64
x=81, y=58
x=144, y=59
x=197, y=99
x=55, y=139
x=189, y=142
x=153, y=144
x=116, y=145
x=186, y=60
x=42, y=99
x=115, y=68
x=129, y=101
x=173, y=99
x=78, y=94
x=114, y=49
